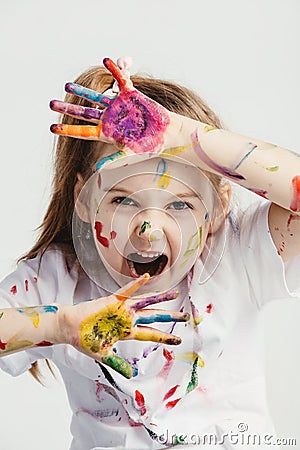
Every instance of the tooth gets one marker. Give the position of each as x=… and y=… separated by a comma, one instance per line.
x=145, y=255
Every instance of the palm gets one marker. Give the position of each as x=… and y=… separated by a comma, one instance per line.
x=131, y=120
x=97, y=325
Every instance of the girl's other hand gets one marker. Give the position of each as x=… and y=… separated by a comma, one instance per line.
x=93, y=327
x=130, y=121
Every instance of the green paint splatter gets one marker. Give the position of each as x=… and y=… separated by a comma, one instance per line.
x=194, y=243
x=118, y=364
x=144, y=227
x=272, y=169
x=194, y=377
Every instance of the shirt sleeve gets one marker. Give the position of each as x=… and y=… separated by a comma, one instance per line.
x=35, y=282
x=269, y=277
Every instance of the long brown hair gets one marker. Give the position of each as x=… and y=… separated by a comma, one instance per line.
x=75, y=156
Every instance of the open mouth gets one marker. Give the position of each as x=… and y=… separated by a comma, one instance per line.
x=152, y=263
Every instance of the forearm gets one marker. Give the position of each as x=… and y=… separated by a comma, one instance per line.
x=23, y=328
x=266, y=169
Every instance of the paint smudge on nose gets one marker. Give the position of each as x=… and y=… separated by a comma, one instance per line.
x=145, y=225
x=140, y=401
x=13, y=290
x=295, y=203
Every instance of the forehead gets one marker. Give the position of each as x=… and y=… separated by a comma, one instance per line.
x=155, y=173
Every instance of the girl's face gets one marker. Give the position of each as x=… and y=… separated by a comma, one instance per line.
x=148, y=217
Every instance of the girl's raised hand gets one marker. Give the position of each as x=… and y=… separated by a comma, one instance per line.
x=131, y=120
x=93, y=327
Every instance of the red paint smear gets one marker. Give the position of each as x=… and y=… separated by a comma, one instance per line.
x=295, y=203
x=168, y=355
x=102, y=239
x=140, y=401
x=26, y=285
x=209, y=308
x=13, y=289
x=99, y=180
x=171, y=392
x=44, y=344
x=168, y=364
x=173, y=403
x=113, y=235
x=2, y=345
x=35, y=279
x=292, y=217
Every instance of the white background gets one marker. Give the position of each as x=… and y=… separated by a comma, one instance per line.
x=241, y=56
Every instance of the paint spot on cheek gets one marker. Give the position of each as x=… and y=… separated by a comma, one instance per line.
x=13, y=290
x=99, y=180
x=113, y=235
x=102, y=239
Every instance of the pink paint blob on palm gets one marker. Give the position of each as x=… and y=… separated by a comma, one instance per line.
x=295, y=203
x=136, y=122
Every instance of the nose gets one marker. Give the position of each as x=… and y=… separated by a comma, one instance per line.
x=149, y=227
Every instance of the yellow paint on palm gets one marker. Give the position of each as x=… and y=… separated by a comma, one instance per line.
x=174, y=151
x=99, y=331
x=164, y=181
x=190, y=356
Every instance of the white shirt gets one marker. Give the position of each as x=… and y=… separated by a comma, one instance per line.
x=213, y=383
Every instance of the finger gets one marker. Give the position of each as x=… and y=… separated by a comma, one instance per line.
x=88, y=94
x=118, y=364
x=77, y=111
x=78, y=131
x=155, y=315
x=118, y=75
x=151, y=334
x=132, y=287
x=169, y=295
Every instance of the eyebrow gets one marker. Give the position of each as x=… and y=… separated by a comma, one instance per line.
x=179, y=195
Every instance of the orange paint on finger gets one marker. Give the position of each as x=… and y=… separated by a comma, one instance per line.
x=133, y=288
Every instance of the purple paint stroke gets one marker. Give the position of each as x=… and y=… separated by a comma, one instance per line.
x=78, y=111
x=170, y=295
x=136, y=122
x=210, y=163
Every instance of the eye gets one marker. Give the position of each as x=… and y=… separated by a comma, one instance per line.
x=179, y=206
x=126, y=201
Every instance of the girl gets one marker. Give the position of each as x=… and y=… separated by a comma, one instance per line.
x=163, y=209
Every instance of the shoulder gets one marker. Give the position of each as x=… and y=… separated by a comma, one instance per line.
x=46, y=278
